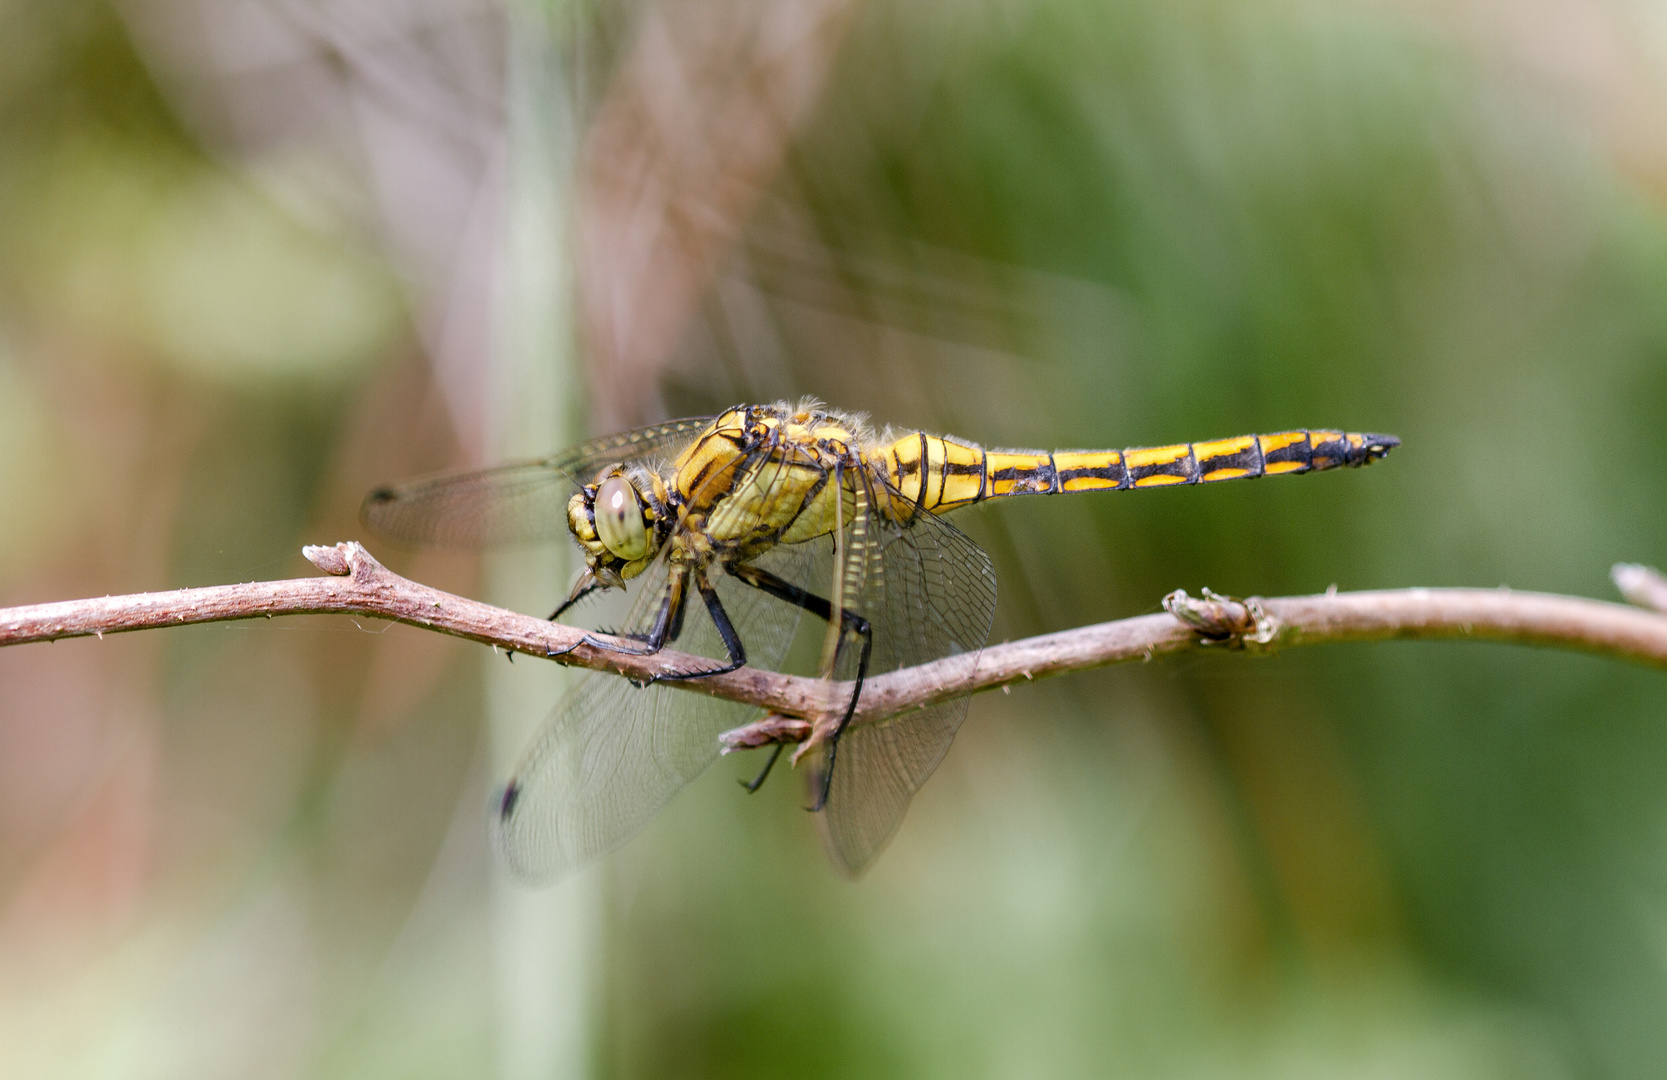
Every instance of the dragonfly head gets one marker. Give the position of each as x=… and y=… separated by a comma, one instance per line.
x=620, y=520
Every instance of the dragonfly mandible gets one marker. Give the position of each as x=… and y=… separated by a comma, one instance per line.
x=729, y=528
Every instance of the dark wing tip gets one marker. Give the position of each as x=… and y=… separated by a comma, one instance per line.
x=507, y=801
x=371, y=509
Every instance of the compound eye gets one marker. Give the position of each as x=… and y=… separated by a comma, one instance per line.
x=619, y=522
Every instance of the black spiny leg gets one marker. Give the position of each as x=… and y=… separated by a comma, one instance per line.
x=850, y=623
x=720, y=619
x=675, y=630
x=669, y=616
x=574, y=599
x=758, y=781
x=867, y=633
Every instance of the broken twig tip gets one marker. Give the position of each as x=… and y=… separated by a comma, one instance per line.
x=766, y=730
x=1641, y=586
x=332, y=560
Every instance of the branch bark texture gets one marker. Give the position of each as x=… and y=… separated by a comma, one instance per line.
x=359, y=585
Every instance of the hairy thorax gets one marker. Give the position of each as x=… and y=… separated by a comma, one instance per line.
x=761, y=477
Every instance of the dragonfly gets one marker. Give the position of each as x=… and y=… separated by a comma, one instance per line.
x=725, y=531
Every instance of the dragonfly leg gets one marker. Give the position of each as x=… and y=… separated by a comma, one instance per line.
x=676, y=629
x=594, y=586
x=611, y=643
x=851, y=623
x=867, y=633
x=758, y=781
x=726, y=631
x=670, y=616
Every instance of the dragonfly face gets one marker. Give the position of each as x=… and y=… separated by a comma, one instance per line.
x=620, y=520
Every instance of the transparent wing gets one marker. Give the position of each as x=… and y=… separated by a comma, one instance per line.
x=611, y=754
x=929, y=592
x=516, y=503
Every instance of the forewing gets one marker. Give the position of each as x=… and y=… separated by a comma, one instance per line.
x=611, y=754
x=517, y=503
x=929, y=592
x=644, y=444
x=608, y=759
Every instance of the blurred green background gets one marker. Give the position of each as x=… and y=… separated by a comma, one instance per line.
x=256, y=258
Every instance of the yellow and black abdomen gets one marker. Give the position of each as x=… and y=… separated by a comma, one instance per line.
x=939, y=474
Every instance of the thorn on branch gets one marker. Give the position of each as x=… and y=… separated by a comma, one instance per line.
x=1224, y=620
